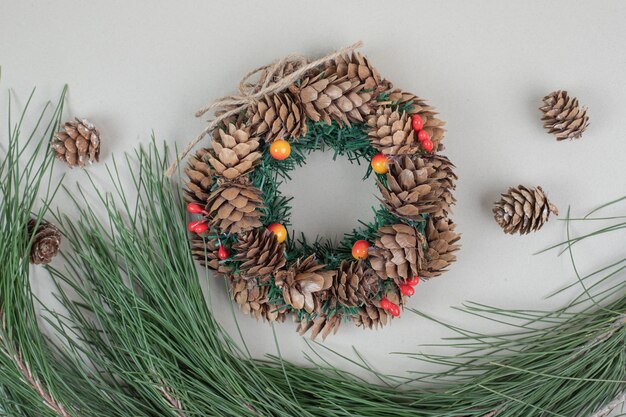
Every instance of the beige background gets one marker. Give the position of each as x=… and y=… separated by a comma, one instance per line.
x=134, y=67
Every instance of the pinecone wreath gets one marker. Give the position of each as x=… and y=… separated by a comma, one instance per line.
x=523, y=210
x=563, y=117
x=77, y=142
x=233, y=185
x=46, y=239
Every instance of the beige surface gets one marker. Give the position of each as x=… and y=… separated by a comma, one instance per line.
x=134, y=67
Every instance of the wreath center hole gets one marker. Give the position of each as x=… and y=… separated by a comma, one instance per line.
x=329, y=197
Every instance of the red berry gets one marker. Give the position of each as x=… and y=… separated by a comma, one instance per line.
x=194, y=208
x=427, y=145
x=192, y=225
x=413, y=281
x=394, y=310
x=423, y=135
x=407, y=290
x=201, y=228
x=360, y=249
x=222, y=253
x=417, y=122
x=385, y=303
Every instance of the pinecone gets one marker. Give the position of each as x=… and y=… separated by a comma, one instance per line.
x=301, y=281
x=45, y=241
x=200, y=176
x=260, y=254
x=442, y=242
x=333, y=98
x=234, y=151
x=353, y=285
x=321, y=324
x=277, y=116
x=252, y=299
x=523, y=210
x=415, y=186
x=372, y=316
x=205, y=251
x=412, y=104
x=235, y=206
x=444, y=173
x=77, y=142
x=391, y=132
x=398, y=252
x=563, y=117
x=357, y=67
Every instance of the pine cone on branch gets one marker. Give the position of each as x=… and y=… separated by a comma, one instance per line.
x=303, y=279
x=260, y=255
x=563, y=117
x=332, y=98
x=46, y=239
x=398, y=253
x=200, y=178
x=523, y=210
x=234, y=151
x=322, y=324
x=204, y=249
x=442, y=242
x=277, y=116
x=412, y=104
x=414, y=188
x=77, y=142
x=355, y=66
x=391, y=132
x=235, y=206
x=252, y=299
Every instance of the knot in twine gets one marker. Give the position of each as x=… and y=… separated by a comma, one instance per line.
x=272, y=78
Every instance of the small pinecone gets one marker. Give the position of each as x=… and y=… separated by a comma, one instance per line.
x=200, y=176
x=563, y=117
x=444, y=173
x=333, y=98
x=234, y=207
x=414, y=187
x=442, y=242
x=205, y=251
x=301, y=281
x=234, y=151
x=412, y=104
x=391, y=132
x=277, y=116
x=353, y=284
x=322, y=324
x=398, y=252
x=252, y=299
x=357, y=67
x=260, y=254
x=46, y=240
x=373, y=316
x=77, y=142
x=523, y=210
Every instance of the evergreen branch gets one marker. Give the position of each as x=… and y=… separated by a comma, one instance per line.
x=607, y=409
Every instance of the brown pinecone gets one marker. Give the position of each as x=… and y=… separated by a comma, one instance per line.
x=523, y=210
x=77, y=142
x=333, y=98
x=205, y=251
x=414, y=188
x=46, y=240
x=200, y=176
x=353, y=285
x=234, y=151
x=357, y=67
x=442, y=242
x=322, y=324
x=235, y=206
x=252, y=299
x=391, y=132
x=277, y=116
x=260, y=254
x=414, y=105
x=563, y=117
x=444, y=173
x=398, y=252
x=372, y=316
x=303, y=279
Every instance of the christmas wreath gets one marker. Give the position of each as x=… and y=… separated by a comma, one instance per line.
x=296, y=107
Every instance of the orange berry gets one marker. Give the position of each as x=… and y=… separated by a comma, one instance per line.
x=280, y=149
x=279, y=230
x=379, y=164
x=360, y=248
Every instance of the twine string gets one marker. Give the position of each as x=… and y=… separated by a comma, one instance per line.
x=272, y=78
